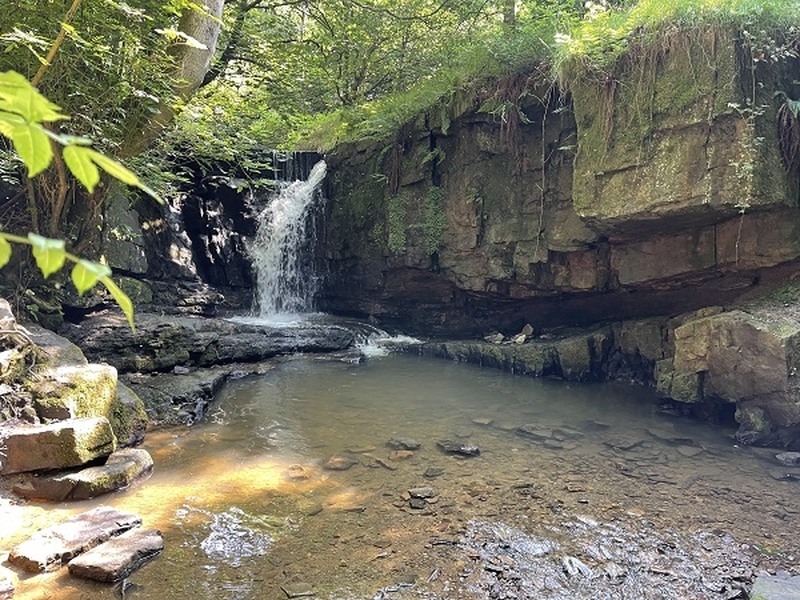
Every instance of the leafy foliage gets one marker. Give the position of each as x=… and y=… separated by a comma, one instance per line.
x=24, y=112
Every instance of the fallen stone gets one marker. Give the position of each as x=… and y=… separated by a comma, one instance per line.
x=121, y=469
x=417, y=503
x=403, y=443
x=399, y=455
x=118, y=557
x=50, y=548
x=789, y=459
x=55, y=446
x=494, y=338
x=422, y=492
x=776, y=587
x=483, y=421
x=340, y=462
x=452, y=447
x=432, y=472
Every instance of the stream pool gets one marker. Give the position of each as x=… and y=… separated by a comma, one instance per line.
x=579, y=491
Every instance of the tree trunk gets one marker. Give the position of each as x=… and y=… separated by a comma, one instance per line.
x=510, y=13
x=193, y=64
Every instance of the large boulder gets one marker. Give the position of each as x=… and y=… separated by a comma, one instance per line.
x=58, y=445
x=74, y=391
x=748, y=359
x=121, y=469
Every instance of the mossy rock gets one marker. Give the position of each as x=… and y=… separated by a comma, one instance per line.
x=74, y=392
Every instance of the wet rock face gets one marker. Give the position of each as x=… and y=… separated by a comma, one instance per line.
x=162, y=342
x=631, y=214
x=748, y=359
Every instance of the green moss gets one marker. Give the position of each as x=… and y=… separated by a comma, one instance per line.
x=435, y=220
x=396, y=223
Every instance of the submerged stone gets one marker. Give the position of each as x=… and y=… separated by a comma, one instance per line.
x=452, y=447
x=50, y=548
x=340, y=462
x=403, y=443
x=118, y=557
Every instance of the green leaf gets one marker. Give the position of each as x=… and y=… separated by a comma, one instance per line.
x=80, y=163
x=121, y=299
x=5, y=252
x=118, y=171
x=49, y=253
x=18, y=96
x=86, y=273
x=113, y=168
x=33, y=147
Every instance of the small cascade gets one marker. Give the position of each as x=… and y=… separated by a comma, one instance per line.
x=285, y=281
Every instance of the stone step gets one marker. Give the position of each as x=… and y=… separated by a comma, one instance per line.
x=120, y=470
x=776, y=587
x=50, y=548
x=57, y=445
x=118, y=557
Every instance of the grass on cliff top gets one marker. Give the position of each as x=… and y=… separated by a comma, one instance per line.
x=603, y=36
x=561, y=46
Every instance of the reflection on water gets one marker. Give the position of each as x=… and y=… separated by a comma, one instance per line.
x=248, y=510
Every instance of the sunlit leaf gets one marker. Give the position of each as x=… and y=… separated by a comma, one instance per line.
x=18, y=96
x=121, y=299
x=5, y=252
x=85, y=274
x=49, y=253
x=81, y=165
x=119, y=171
x=33, y=147
x=174, y=35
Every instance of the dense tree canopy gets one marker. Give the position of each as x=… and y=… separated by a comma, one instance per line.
x=288, y=70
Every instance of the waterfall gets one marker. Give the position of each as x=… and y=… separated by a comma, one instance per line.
x=285, y=281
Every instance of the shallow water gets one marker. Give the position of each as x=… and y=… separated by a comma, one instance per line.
x=603, y=467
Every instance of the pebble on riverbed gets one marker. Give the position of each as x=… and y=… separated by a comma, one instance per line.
x=452, y=447
x=340, y=462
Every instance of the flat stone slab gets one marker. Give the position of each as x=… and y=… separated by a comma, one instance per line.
x=58, y=445
x=50, y=548
x=121, y=469
x=118, y=557
x=776, y=587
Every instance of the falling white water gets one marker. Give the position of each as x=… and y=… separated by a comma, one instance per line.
x=284, y=282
